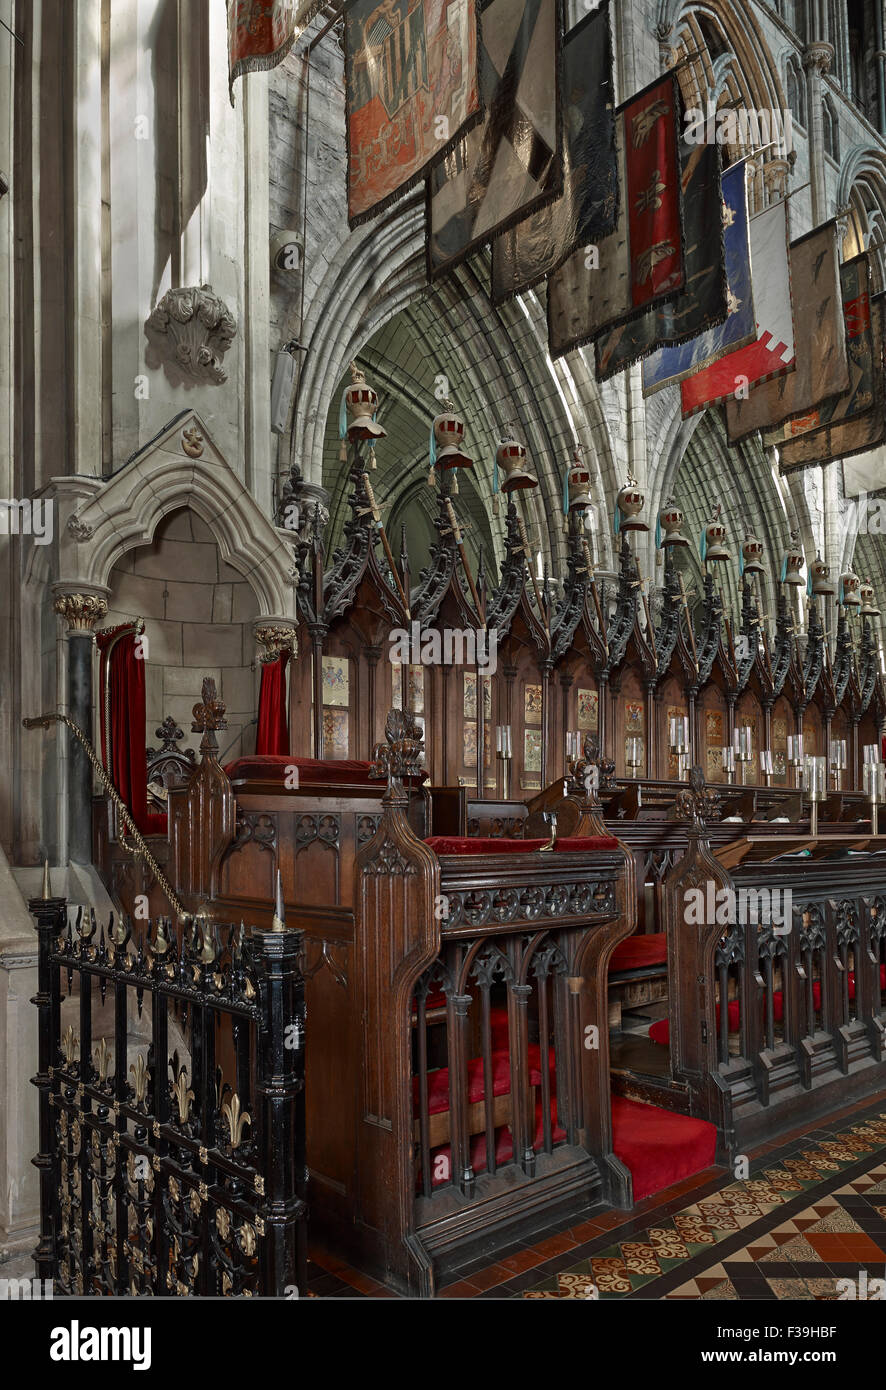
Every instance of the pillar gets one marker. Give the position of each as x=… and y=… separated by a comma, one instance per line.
x=80, y=611
x=817, y=58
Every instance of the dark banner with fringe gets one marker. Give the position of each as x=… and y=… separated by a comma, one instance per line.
x=640, y=264
x=524, y=256
x=821, y=368
x=854, y=421
x=412, y=92
x=703, y=303
x=511, y=163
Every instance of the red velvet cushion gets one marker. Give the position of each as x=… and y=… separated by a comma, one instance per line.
x=658, y=1146
x=341, y=771
x=438, y=1081
x=660, y=1031
x=638, y=951
x=462, y=844
x=152, y=823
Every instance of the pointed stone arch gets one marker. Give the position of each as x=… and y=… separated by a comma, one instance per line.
x=179, y=467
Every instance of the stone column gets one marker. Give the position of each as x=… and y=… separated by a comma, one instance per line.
x=81, y=611
x=817, y=58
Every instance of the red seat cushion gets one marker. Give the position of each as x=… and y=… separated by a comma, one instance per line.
x=271, y=767
x=463, y=844
x=152, y=823
x=658, y=1146
x=638, y=951
x=438, y=1081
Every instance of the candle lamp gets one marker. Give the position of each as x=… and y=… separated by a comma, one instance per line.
x=504, y=753
x=767, y=766
x=838, y=761
x=874, y=782
x=633, y=754
x=729, y=763
x=743, y=746
x=815, y=788
x=795, y=756
x=678, y=738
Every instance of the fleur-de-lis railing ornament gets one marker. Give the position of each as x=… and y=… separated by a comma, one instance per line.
x=70, y=1045
x=400, y=756
x=236, y=1119
x=223, y=1222
x=140, y=1074
x=102, y=1056
x=246, y=1239
x=696, y=803
x=181, y=1091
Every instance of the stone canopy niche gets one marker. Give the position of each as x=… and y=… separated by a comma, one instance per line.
x=199, y=614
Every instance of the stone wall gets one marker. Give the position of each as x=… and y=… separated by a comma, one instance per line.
x=199, y=615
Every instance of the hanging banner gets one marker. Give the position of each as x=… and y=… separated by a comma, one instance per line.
x=772, y=351
x=853, y=422
x=821, y=368
x=511, y=163
x=525, y=255
x=411, y=92
x=703, y=302
x=672, y=364
x=260, y=34
x=640, y=264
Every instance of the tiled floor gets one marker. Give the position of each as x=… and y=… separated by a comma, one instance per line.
x=812, y=1211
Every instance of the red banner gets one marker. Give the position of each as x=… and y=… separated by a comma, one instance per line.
x=260, y=34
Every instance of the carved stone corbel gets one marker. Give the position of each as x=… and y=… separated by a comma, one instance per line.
x=188, y=334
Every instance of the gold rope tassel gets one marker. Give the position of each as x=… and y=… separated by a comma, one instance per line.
x=455, y=486
x=343, y=451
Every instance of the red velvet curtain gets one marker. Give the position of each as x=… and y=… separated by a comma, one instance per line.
x=123, y=745
x=272, y=736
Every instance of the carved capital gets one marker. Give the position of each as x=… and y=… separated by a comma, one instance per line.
x=275, y=638
x=818, y=55
x=188, y=334
x=775, y=177
x=80, y=611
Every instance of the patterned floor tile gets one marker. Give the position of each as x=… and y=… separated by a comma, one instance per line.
x=799, y=1213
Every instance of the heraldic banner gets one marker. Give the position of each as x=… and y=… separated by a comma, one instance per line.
x=703, y=302
x=772, y=351
x=260, y=34
x=524, y=256
x=821, y=369
x=511, y=164
x=640, y=264
x=412, y=92
x=673, y=363
x=851, y=422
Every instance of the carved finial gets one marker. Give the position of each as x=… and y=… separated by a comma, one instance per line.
x=696, y=803
x=210, y=714
x=358, y=376
x=401, y=755
x=592, y=773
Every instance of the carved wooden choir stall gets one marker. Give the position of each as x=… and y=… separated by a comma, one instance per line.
x=512, y=1012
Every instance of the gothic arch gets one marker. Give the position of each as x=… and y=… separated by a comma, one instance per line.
x=124, y=512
